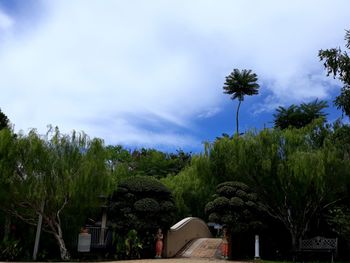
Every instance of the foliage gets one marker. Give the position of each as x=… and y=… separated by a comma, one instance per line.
x=128, y=246
x=297, y=173
x=341, y=138
x=4, y=121
x=158, y=164
x=299, y=116
x=239, y=84
x=141, y=203
x=10, y=249
x=133, y=244
x=147, y=162
x=192, y=187
x=119, y=162
x=57, y=170
x=339, y=219
x=337, y=63
x=235, y=206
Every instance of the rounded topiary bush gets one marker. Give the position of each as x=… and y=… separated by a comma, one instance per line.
x=234, y=205
x=148, y=205
x=142, y=203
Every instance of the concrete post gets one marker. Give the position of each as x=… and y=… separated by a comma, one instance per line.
x=38, y=232
x=257, y=248
x=103, y=228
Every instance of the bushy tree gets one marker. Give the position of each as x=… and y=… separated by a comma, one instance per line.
x=159, y=164
x=339, y=219
x=148, y=162
x=46, y=175
x=141, y=203
x=295, y=176
x=298, y=116
x=235, y=206
x=192, y=187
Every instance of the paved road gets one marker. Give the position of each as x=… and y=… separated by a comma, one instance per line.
x=198, y=251
x=202, y=248
x=175, y=260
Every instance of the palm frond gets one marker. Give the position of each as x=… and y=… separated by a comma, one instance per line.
x=240, y=83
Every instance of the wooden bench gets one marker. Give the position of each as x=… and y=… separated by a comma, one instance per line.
x=319, y=244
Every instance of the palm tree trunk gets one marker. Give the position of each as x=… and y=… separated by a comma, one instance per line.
x=239, y=105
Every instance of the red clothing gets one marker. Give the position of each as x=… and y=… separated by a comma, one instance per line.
x=159, y=247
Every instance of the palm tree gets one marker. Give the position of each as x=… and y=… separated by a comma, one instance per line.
x=300, y=116
x=240, y=83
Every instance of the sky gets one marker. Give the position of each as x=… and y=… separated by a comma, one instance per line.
x=151, y=73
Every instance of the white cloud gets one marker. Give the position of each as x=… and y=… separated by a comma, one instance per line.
x=209, y=113
x=163, y=61
x=6, y=25
x=5, y=21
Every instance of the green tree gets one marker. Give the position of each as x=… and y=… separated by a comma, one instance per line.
x=58, y=171
x=159, y=164
x=296, y=177
x=239, y=84
x=119, y=162
x=301, y=115
x=337, y=63
x=235, y=206
x=339, y=219
x=144, y=204
x=141, y=203
x=192, y=187
x=149, y=162
x=4, y=121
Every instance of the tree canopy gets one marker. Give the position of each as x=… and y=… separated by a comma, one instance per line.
x=45, y=175
x=235, y=206
x=149, y=162
x=142, y=203
x=285, y=168
x=298, y=116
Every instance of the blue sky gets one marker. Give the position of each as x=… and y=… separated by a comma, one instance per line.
x=150, y=73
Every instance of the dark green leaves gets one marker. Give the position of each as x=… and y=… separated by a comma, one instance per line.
x=240, y=83
x=233, y=205
x=300, y=116
x=4, y=121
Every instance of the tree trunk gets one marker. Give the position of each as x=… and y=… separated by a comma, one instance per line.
x=294, y=241
x=296, y=234
x=7, y=227
x=65, y=256
x=239, y=105
x=57, y=233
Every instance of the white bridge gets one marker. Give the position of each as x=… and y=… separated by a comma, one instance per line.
x=190, y=237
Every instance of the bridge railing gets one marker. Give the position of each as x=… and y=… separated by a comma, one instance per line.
x=183, y=232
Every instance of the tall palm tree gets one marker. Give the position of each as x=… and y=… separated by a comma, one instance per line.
x=240, y=83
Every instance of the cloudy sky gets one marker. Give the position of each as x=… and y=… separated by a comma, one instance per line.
x=150, y=73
